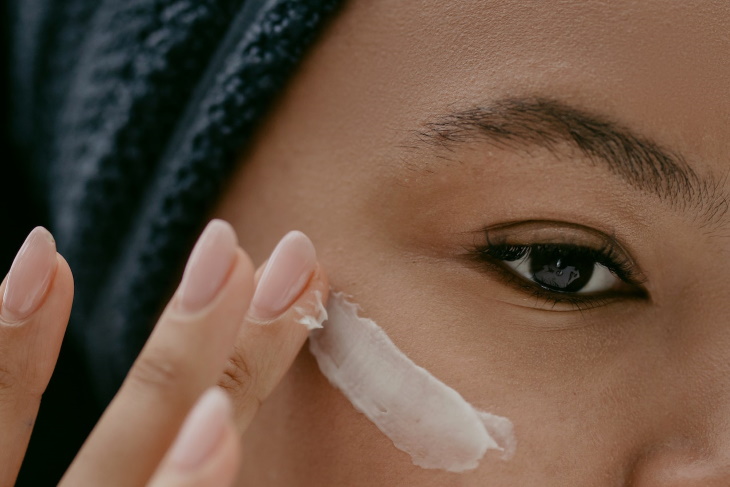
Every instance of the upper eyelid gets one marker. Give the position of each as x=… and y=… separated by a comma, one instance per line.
x=553, y=228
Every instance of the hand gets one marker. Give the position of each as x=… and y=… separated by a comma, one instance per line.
x=208, y=334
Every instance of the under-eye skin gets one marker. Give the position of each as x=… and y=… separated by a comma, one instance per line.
x=560, y=262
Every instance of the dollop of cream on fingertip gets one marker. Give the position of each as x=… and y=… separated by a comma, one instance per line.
x=309, y=320
x=421, y=415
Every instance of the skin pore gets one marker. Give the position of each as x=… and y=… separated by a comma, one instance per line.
x=627, y=387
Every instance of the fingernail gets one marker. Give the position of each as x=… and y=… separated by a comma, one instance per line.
x=285, y=275
x=202, y=430
x=29, y=276
x=208, y=266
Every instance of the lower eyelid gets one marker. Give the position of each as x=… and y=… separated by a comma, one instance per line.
x=547, y=299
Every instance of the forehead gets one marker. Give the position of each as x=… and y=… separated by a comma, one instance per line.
x=659, y=66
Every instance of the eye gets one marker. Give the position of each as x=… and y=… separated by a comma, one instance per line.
x=562, y=268
x=560, y=262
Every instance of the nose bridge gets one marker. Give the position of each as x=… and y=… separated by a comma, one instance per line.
x=702, y=371
x=703, y=352
x=680, y=469
x=691, y=447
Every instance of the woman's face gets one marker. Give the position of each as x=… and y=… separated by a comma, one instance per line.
x=446, y=156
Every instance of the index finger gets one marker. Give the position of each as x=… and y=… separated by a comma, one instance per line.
x=185, y=354
x=34, y=310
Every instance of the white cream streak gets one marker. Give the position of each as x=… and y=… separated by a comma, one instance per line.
x=310, y=321
x=421, y=415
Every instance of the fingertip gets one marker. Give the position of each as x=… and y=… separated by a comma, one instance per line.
x=242, y=280
x=208, y=267
x=58, y=300
x=64, y=279
x=33, y=342
x=311, y=309
x=207, y=449
x=259, y=271
x=202, y=432
x=246, y=263
x=284, y=277
x=322, y=282
x=29, y=278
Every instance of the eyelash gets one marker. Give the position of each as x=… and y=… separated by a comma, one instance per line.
x=493, y=256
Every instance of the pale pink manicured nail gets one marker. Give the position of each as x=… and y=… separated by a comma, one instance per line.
x=285, y=275
x=202, y=431
x=29, y=276
x=208, y=266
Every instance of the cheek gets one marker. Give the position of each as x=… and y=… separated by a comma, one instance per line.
x=309, y=434
x=566, y=401
x=421, y=415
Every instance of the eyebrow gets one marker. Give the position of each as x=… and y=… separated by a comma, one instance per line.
x=521, y=123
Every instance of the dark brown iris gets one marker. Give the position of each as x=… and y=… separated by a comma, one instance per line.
x=559, y=269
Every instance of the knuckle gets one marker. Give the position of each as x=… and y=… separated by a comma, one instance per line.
x=160, y=370
x=238, y=378
x=14, y=386
x=7, y=380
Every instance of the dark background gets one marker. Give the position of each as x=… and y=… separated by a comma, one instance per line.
x=67, y=412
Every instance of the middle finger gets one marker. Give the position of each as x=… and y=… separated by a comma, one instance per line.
x=185, y=354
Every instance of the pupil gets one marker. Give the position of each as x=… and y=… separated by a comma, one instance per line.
x=559, y=270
